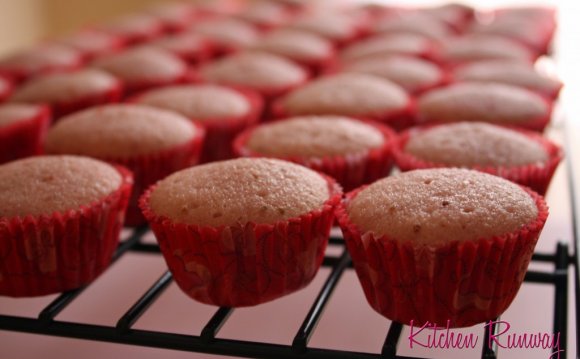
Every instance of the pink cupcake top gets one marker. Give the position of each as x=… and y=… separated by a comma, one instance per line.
x=511, y=73
x=203, y=103
x=430, y=207
x=387, y=44
x=411, y=73
x=174, y=15
x=259, y=71
x=65, y=87
x=227, y=32
x=418, y=23
x=485, y=102
x=12, y=113
x=265, y=14
x=40, y=59
x=469, y=48
x=140, y=65
x=133, y=28
x=119, y=131
x=179, y=44
x=300, y=46
x=46, y=184
x=346, y=94
x=243, y=190
x=92, y=43
x=334, y=26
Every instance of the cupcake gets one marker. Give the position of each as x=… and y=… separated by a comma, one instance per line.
x=417, y=23
x=309, y=50
x=389, y=44
x=339, y=28
x=270, y=75
x=354, y=95
x=92, y=44
x=520, y=156
x=222, y=111
x=5, y=88
x=71, y=91
x=133, y=29
x=39, y=60
x=352, y=152
x=174, y=16
x=242, y=232
x=511, y=73
x=22, y=130
x=152, y=143
x=446, y=246
x=471, y=48
x=485, y=102
x=265, y=15
x=144, y=68
x=226, y=35
x=411, y=73
x=190, y=47
x=457, y=16
x=60, y=218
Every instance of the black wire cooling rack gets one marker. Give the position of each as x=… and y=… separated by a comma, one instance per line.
x=206, y=342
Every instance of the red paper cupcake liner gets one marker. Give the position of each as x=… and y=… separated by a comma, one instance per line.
x=53, y=253
x=196, y=56
x=398, y=119
x=24, y=138
x=351, y=171
x=244, y=265
x=19, y=75
x=536, y=176
x=5, y=89
x=465, y=282
x=61, y=109
x=148, y=169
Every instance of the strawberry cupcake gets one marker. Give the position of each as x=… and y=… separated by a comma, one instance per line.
x=471, y=48
x=257, y=233
x=92, y=44
x=152, y=143
x=445, y=246
x=60, y=218
x=144, y=68
x=388, y=45
x=71, y=91
x=222, y=111
x=352, y=152
x=350, y=94
x=226, y=35
x=133, y=29
x=192, y=48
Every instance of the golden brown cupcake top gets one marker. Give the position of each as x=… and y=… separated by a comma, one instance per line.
x=314, y=137
x=119, y=131
x=508, y=72
x=483, y=47
x=472, y=144
x=62, y=87
x=199, y=102
x=227, y=31
x=386, y=44
x=48, y=184
x=409, y=72
x=14, y=112
x=255, y=70
x=435, y=206
x=239, y=191
x=485, y=102
x=141, y=64
x=296, y=45
x=346, y=95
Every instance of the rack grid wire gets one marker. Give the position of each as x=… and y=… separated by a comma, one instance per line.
x=207, y=342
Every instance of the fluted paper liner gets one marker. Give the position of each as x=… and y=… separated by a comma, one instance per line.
x=465, y=282
x=244, y=264
x=351, y=171
x=24, y=138
x=48, y=254
x=537, y=176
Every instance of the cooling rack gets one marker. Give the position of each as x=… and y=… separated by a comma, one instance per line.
x=563, y=267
